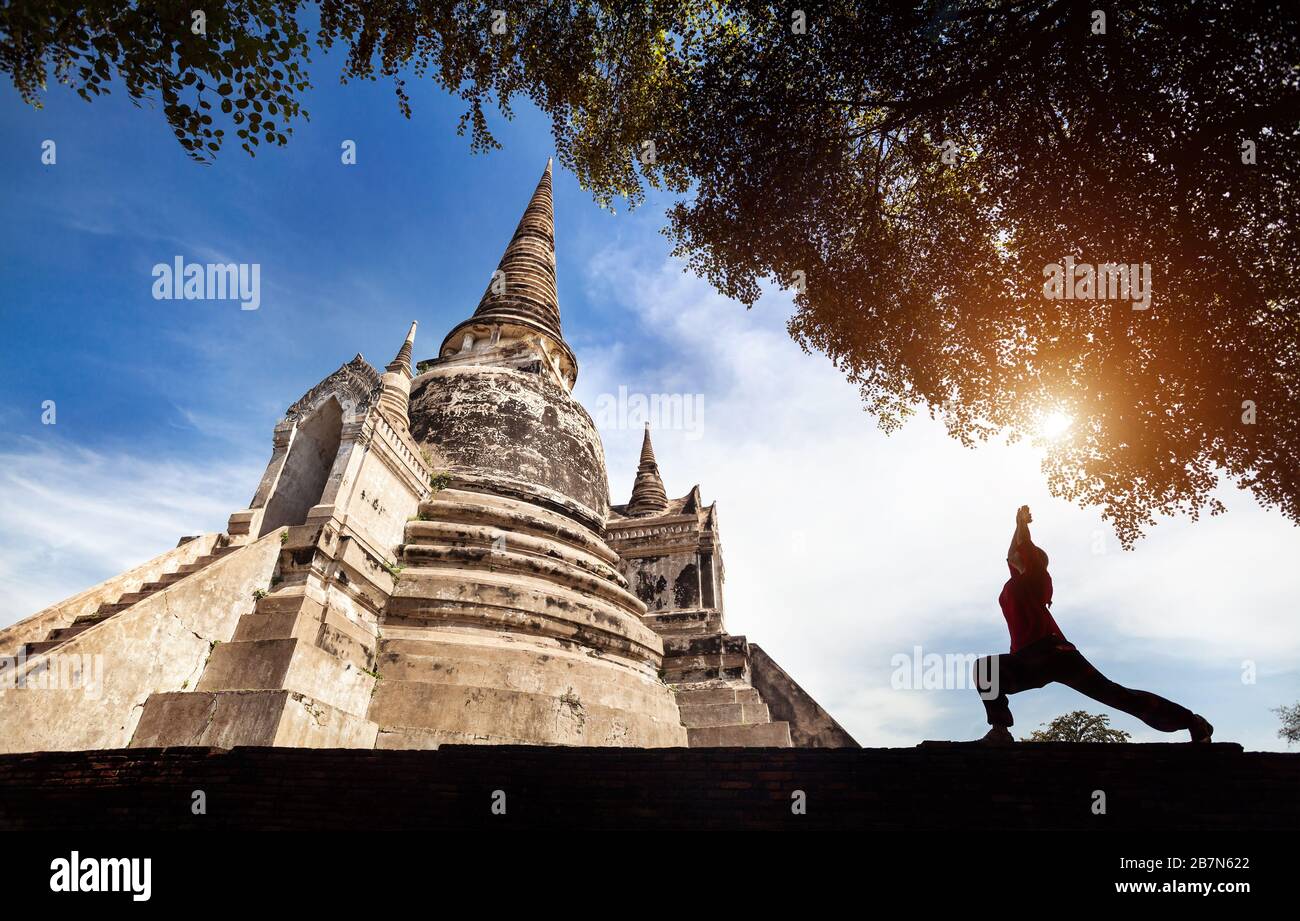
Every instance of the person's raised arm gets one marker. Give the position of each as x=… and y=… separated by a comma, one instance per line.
x=1019, y=538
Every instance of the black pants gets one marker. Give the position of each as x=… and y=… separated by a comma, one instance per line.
x=1052, y=659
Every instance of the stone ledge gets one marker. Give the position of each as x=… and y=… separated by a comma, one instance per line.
x=1090, y=749
x=1165, y=787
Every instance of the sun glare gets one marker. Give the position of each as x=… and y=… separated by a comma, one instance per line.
x=1055, y=424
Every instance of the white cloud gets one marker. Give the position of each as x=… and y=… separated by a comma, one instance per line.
x=71, y=517
x=844, y=546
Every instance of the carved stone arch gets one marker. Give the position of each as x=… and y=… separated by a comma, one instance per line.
x=326, y=420
x=314, y=426
x=305, y=472
x=356, y=386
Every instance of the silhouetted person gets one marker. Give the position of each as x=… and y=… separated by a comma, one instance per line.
x=1040, y=654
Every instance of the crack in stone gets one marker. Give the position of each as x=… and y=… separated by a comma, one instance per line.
x=212, y=714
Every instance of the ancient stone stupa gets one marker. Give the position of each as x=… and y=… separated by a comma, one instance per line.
x=429, y=558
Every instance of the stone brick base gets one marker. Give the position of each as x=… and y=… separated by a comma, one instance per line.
x=943, y=786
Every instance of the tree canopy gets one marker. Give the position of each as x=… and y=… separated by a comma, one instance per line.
x=1079, y=726
x=1290, y=717
x=911, y=171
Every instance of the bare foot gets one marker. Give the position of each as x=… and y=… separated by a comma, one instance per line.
x=1201, y=729
x=998, y=735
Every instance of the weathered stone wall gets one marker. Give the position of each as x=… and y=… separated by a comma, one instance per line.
x=968, y=789
x=671, y=561
x=386, y=492
x=514, y=434
x=159, y=644
x=509, y=623
x=482, y=687
x=224, y=719
x=668, y=581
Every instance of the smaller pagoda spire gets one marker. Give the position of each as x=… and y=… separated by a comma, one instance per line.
x=648, y=496
x=403, y=360
x=395, y=392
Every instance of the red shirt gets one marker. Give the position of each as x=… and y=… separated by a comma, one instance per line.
x=1028, y=618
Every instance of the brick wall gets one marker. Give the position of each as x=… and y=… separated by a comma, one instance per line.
x=934, y=786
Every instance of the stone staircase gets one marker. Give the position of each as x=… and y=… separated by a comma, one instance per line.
x=61, y=635
x=722, y=716
x=710, y=672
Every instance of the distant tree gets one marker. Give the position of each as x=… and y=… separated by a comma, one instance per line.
x=1079, y=726
x=911, y=170
x=1290, y=717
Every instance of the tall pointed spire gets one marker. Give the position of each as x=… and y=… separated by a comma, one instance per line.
x=517, y=322
x=522, y=289
x=648, y=496
x=395, y=385
x=403, y=360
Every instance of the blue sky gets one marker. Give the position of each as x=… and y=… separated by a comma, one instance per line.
x=843, y=548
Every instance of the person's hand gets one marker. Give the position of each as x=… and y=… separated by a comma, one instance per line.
x=1023, y=516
